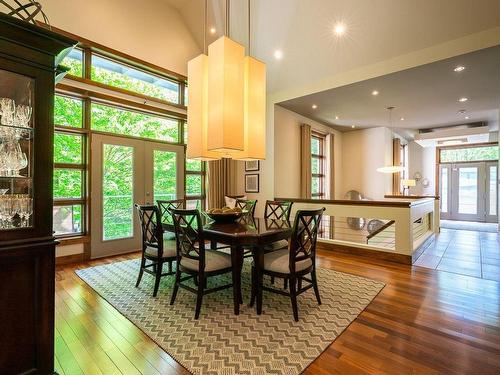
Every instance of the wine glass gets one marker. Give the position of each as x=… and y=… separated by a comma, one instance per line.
x=8, y=108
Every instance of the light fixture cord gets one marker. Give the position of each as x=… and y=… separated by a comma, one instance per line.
x=249, y=48
x=226, y=32
x=205, y=29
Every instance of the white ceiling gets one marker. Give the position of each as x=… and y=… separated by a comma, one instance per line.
x=425, y=96
x=302, y=29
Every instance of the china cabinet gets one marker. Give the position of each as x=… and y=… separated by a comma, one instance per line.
x=29, y=56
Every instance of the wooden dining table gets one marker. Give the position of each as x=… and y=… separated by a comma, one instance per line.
x=246, y=233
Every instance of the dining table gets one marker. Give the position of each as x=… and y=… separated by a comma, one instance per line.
x=245, y=234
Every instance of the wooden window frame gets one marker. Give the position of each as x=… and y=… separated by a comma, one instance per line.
x=322, y=158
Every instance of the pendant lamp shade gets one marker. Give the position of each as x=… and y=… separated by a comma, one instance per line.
x=226, y=78
x=254, y=111
x=391, y=169
x=197, y=112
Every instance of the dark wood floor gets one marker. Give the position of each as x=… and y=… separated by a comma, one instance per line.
x=424, y=321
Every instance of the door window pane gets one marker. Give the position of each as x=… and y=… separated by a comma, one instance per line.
x=164, y=175
x=120, y=121
x=67, y=183
x=68, y=111
x=467, y=190
x=74, y=61
x=67, y=148
x=493, y=190
x=117, y=192
x=193, y=184
x=125, y=77
x=444, y=189
x=67, y=219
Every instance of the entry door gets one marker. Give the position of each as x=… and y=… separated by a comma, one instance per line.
x=468, y=192
x=124, y=172
x=491, y=206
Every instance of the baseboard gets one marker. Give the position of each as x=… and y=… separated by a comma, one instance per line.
x=67, y=259
x=365, y=253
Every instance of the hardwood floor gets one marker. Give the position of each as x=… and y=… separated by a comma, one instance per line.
x=424, y=321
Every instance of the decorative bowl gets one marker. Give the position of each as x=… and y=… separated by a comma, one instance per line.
x=225, y=217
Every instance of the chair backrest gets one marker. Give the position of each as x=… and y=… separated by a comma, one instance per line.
x=247, y=204
x=304, y=236
x=166, y=206
x=152, y=232
x=278, y=210
x=189, y=235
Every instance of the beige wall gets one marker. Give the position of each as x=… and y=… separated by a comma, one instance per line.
x=363, y=152
x=149, y=30
x=422, y=160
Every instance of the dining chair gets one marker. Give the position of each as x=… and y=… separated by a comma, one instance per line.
x=156, y=251
x=295, y=262
x=277, y=210
x=247, y=205
x=192, y=258
x=166, y=218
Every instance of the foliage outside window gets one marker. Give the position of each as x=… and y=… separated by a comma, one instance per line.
x=68, y=111
x=74, y=61
x=135, y=124
x=479, y=153
x=195, y=180
x=317, y=165
x=125, y=77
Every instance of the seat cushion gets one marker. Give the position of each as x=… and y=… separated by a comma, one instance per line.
x=278, y=261
x=278, y=245
x=169, y=250
x=214, y=261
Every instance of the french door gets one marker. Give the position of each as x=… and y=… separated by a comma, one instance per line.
x=469, y=191
x=125, y=172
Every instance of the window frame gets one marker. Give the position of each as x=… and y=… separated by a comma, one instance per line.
x=321, y=157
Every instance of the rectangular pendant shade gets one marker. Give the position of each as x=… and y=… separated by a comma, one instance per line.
x=225, y=96
x=197, y=110
x=254, y=111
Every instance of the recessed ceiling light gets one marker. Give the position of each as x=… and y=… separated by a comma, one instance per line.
x=464, y=99
x=336, y=117
x=213, y=30
x=461, y=111
x=314, y=106
x=402, y=118
x=467, y=117
x=339, y=29
x=353, y=126
x=374, y=92
x=459, y=68
x=278, y=55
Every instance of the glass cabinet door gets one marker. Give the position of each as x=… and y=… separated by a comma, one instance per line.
x=16, y=150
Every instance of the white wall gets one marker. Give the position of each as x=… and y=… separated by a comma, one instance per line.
x=149, y=30
x=287, y=152
x=422, y=160
x=363, y=152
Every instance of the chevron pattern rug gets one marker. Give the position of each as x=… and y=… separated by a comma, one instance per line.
x=224, y=344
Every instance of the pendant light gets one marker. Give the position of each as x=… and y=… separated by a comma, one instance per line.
x=227, y=101
x=390, y=168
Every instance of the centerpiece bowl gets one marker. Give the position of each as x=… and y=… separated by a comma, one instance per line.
x=225, y=214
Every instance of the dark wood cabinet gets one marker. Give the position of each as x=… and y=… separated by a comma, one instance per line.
x=29, y=56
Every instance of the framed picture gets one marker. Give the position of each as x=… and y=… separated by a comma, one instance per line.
x=252, y=166
x=252, y=183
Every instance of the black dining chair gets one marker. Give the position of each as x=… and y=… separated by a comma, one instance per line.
x=165, y=206
x=247, y=205
x=192, y=258
x=156, y=251
x=295, y=262
x=277, y=210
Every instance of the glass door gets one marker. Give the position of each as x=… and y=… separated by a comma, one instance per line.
x=492, y=192
x=127, y=171
x=444, y=190
x=467, y=193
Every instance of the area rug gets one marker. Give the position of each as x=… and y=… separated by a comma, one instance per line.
x=224, y=344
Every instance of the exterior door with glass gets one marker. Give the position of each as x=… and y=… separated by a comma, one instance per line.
x=124, y=172
x=468, y=192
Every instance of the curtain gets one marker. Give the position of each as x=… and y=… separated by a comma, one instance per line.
x=221, y=181
x=305, y=161
x=396, y=160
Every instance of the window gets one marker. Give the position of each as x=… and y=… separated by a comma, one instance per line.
x=128, y=78
x=68, y=112
x=317, y=165
x=68, y=181
x=195, y=181
x=132, y=123
x=477, y=153
x=74, y=61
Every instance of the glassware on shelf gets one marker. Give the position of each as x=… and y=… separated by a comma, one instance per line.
x=15, y=211
x=7, y=108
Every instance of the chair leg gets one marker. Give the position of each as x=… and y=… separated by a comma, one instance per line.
x=272, y=279
x=254, y=287
x=159, y=268
x=293, y=297
x=285, y=283
x=176, y=286
x=199, y=296
x=141, y=271
x=299, y=282
x=315, y=286
x=170, y=267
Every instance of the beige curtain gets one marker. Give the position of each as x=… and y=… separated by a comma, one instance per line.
x=396, y=160
x=221, y=181
x=305, y=161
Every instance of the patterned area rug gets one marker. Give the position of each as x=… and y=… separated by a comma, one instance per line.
x=222, y=343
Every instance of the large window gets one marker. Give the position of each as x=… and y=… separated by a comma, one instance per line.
x=195, y=181
x=74, y=61
x=318, y=165
x=478, y=153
